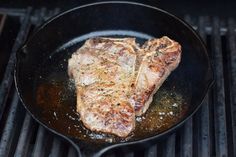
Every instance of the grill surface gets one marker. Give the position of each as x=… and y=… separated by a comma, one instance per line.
x=210, y=132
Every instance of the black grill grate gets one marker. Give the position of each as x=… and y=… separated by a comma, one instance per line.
x=210, y=132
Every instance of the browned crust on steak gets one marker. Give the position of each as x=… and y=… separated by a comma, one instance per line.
x=103, y=69
x=116, y=80
x=162, y=57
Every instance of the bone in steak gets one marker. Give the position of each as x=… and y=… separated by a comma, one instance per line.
x=115, y=80
x=161, y=57
x=103, y=70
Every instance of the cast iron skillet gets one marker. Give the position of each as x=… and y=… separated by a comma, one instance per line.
x=41, y=68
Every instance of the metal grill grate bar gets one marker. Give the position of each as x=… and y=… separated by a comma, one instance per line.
x=8, y=76
x=39, y=144
x=25, y=136
x=169, y=149
x=129, y=154
x=53, y=12
x=9, y=129
x=219, y=95
x=55, y=151
x=232, y=48
x=151, y=152
x=201, y=24
x=186, y=139
x=71, y=152
x=204, y=132
x=204, y=137
x=40, y=14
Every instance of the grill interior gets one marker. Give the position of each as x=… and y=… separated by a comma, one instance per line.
x=210, y=132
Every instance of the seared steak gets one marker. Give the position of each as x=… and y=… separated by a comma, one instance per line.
x=103, y=70
x=116, y=80
x=161, y=57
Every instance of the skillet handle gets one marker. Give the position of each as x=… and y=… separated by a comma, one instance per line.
x=88, y=150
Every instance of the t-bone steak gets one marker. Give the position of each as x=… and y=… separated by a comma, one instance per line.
x=116, y=79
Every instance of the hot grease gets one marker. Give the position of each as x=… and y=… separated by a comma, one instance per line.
x=57, y=101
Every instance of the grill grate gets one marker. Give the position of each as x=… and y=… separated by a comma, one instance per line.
x=210, y=132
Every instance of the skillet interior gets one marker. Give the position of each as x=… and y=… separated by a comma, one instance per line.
x=41, y=66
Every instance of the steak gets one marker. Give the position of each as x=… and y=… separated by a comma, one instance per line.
x=116, y=79
x=103, y=70
x=161, y=57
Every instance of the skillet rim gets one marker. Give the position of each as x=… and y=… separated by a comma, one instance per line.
x=73, y=140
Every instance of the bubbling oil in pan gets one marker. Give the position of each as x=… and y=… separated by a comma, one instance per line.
x=56, y=98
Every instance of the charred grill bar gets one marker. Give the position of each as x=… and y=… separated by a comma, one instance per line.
x=210, y=132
